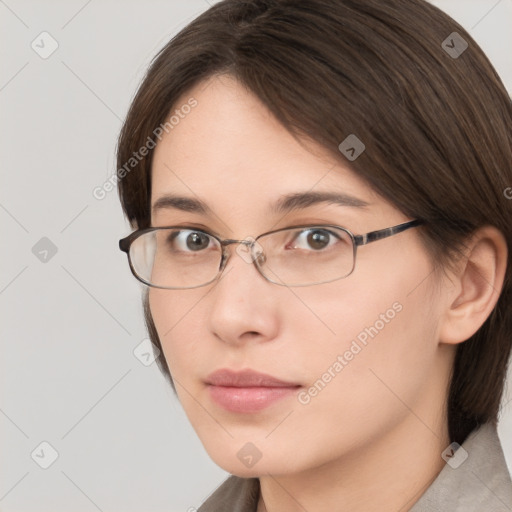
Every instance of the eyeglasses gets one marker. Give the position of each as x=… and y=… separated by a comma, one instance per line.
x=179, y=257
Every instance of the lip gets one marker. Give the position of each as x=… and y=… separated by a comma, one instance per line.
x=246, y=379
x=247, y=391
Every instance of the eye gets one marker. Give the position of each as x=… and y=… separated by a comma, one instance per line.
x=314, y=238
x=189, y=240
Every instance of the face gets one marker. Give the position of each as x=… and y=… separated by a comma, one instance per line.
x=345, y=350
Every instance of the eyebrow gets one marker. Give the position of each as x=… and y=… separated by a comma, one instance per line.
x=285, y=204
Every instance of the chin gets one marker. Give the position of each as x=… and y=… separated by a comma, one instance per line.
x=251, y=460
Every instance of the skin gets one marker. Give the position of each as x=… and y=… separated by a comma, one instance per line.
x=372, y=439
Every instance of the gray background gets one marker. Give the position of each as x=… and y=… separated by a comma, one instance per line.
x=71, y=322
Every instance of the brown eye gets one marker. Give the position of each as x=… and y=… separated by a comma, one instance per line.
x=315, y=238
x=188, y=240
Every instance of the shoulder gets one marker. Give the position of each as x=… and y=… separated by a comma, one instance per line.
x=234, y=494
x=475, y=477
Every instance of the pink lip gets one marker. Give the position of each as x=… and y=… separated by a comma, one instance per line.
x=247, y=391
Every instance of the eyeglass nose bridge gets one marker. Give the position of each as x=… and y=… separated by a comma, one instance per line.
x=256, y=259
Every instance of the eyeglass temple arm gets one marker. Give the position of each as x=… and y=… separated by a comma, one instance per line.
x=385, y=233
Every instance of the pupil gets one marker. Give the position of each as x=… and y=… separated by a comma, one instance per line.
x=318, y=239
x=197, y=241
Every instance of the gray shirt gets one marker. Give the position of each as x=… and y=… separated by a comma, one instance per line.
x=479, y=483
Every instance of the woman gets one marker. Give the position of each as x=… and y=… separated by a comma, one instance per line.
x=318, y=192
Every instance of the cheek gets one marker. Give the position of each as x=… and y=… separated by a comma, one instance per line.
x=377, y=350
x=365, y=336
x=178, y=321
x=358, y=390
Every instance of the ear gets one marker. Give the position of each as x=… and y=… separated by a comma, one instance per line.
x=476, y=286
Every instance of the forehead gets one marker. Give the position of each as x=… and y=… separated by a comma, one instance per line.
x=230, y=151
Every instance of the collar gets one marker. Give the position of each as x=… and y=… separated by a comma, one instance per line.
x=481, y=481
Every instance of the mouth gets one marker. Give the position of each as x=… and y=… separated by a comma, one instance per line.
x=247, y=391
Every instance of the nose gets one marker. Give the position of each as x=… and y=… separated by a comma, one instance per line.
x=243, y=304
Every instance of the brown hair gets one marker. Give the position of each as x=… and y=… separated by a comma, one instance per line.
x=436, y=126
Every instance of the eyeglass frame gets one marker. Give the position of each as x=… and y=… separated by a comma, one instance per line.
x=357, y=240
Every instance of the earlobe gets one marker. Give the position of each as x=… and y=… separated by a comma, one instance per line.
x=477, y=286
